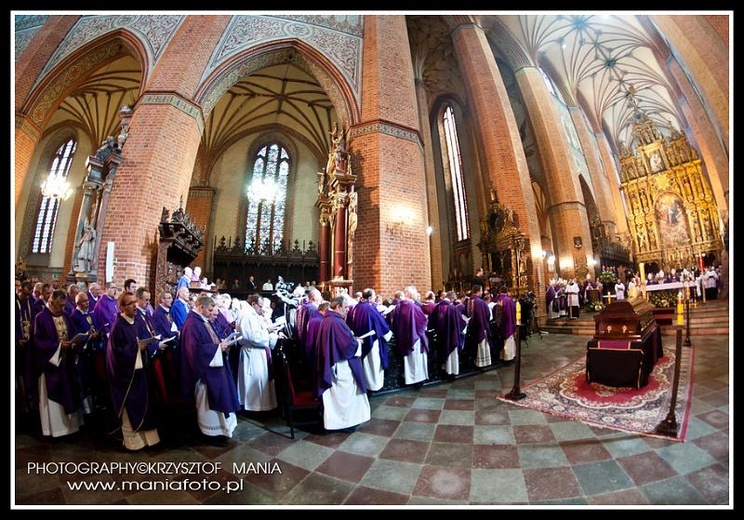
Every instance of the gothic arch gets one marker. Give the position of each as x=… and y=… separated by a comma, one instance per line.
x=297, y=52
x=69, y=73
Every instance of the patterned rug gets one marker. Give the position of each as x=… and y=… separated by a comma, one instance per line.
x=565, y=393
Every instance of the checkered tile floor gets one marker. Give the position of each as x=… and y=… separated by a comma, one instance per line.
x=449, y=444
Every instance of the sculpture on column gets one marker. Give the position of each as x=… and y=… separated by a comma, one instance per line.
x=125, y=113
x=85, y=248
x=338, y=200
x=351, y=230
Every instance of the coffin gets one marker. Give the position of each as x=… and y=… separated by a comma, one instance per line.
x=625, y=346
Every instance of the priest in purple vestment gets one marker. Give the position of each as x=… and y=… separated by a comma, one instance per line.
x=508, y=325
x=369, y=325
x=307, y=313
x=166, y=364
x=479, y=327
x=408, y=323
x=53, y=367
x=549, y=298
x=82, y=322
x=106, y=310
x=206, y=375
x=130, y=345
x=449, y=325
x=340, y=381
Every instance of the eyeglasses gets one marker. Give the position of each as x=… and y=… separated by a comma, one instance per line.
x=129, y=303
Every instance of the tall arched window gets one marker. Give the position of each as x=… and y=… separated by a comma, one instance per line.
x=452, y=147
x=267, y=195
x=46, y=219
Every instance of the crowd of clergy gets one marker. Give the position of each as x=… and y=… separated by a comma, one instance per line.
x=564, y=298
x=92, y=351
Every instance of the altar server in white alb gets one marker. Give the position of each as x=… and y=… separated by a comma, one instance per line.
x=572, y=299
x=256, y=389
x=620, y=291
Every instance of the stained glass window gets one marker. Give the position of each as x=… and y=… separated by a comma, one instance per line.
x=267, y=196
x=46, y=219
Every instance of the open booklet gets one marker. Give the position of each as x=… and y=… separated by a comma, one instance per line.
x=81, y=338
x=145, y=341
x=366, y=335
x=234, y=338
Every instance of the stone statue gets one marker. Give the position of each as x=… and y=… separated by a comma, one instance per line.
x=85, y=245
x=338, y=155
x=107, y=146
x=656, y=164
x=122, y=138
x=352, y=220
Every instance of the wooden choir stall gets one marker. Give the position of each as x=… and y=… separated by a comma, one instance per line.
x=625, y=346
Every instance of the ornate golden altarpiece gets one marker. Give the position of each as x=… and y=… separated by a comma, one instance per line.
x=671, y=212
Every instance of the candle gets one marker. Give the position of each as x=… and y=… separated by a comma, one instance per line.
x=519, y=312
x=680, y=314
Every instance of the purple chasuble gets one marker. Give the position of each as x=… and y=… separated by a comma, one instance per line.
x=408, y=326
x=367, y=318
x=62, y=381
x=162, y=321
x=509, y=315
x=335, y=342
x=479, y=326
x=549, y=297
x=128, y=387
x=305, y=316
x=105, y=313
x=447, y=322
x=198, y=347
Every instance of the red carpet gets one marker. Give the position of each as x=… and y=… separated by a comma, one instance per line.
x=565, y=393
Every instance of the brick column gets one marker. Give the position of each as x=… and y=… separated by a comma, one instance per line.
x=435, y=243
x=500, y=153
x=160, y=152
x=27, y=136
x=28, y=66
x=392, y=245
x=600, y=181
x=158, y=161
x=199, y=209
x=701, y=52
x=712, y=150
x=566, y=209
x=609, y=167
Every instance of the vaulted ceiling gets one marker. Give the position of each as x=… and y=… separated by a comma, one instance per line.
x=607, y=64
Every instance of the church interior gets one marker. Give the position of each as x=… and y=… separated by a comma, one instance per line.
x=348, y=151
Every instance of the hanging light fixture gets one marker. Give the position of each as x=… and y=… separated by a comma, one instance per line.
x=56, y=187
x=262, y=190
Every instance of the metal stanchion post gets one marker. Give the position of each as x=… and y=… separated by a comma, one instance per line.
x=516, y=393
x=688, y=341
x=669, y=426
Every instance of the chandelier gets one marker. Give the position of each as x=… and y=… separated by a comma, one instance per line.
x=56, y=187
x=262, y=190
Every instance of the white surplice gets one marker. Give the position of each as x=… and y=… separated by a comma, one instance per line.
x=256, y=392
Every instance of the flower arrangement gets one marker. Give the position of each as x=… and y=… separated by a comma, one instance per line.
x=660, y=299
x=597, y=306
x=608, y=278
